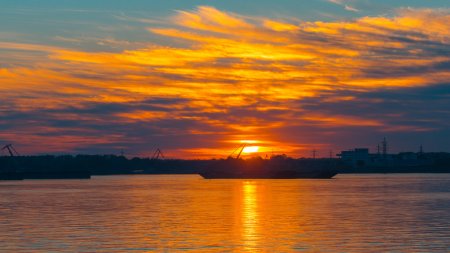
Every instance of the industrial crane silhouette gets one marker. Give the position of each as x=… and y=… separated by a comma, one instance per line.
x=11, y=172
x=240, y=148
x=11, y=150
x=157, y=154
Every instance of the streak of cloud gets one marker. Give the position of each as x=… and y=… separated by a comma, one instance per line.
x=344, y=4
x=230, y=77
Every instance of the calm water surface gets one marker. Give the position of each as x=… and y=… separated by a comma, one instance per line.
x=351, y=213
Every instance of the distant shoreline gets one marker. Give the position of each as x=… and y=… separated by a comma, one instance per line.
x=115, y=165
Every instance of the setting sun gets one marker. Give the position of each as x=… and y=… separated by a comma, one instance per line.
x=251, y=149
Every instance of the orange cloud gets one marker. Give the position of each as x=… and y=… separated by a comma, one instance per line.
x=228, y=61
x=210, y=19
x=279, y=26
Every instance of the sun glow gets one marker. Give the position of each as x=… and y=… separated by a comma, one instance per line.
x=247, y=141
x=251, y=149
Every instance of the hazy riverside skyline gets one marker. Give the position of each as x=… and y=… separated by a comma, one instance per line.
x=197, y=78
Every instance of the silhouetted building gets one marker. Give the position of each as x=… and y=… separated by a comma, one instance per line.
x=358, y=157
x=362, y=158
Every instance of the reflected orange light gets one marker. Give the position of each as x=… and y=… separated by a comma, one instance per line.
x=250, y=216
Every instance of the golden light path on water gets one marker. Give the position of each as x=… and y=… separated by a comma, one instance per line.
x=250, y=216
x=168, y=213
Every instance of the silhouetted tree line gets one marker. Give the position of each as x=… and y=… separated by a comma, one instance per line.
x=441, y=160
x=113, y=164
x=98, y=164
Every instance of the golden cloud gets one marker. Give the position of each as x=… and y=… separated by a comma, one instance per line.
x=230, y=61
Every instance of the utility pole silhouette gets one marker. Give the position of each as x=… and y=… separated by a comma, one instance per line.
x=314, y=153
x=385, y=147
x=421, y=151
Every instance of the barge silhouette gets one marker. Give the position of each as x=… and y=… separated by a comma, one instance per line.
x=268, y=169
x=277, y=167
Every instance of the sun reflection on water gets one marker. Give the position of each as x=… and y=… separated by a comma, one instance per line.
x=167, y=213
x=250, y=216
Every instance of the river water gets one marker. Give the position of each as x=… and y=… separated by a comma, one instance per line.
x=178, y=213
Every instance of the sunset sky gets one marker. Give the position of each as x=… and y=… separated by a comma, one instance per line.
x=197, y=78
